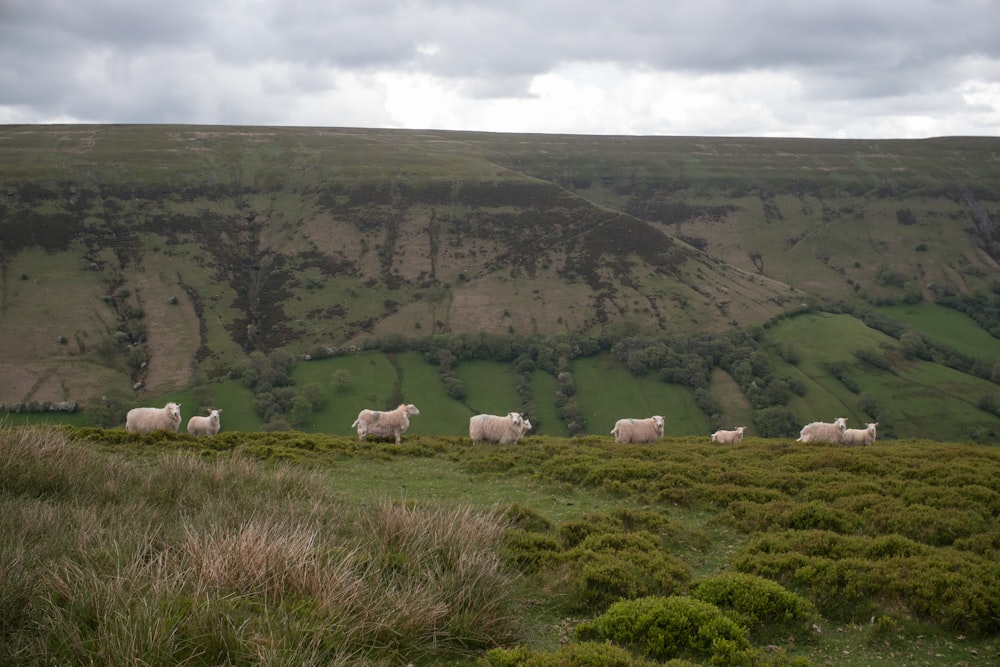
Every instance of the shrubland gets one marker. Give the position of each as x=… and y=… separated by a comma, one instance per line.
x=298, y=548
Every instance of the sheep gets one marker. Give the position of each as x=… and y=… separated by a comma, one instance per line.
x=649, y=429
x=147, y=420
x=729, y=437
x=204, y=425
x=506, y=430
x=860, y=436
x=824, y=431
x=384, y=423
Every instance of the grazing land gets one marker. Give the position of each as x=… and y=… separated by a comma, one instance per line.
x=294, y=548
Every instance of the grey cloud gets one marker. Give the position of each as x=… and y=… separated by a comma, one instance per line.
x=838, y=49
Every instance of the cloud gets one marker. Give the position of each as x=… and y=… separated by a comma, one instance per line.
x=774, y=67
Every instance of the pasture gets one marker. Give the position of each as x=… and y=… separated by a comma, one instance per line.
x=294, y=548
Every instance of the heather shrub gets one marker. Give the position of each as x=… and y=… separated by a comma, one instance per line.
x=853, y=577
x=754, y=515
x=622, y=520
x=950, y=589
x=576, y=531
x=662, y=628
x=604, y=568
x=526, y=518
x=574, y=654
x=529, y=551
x=986, y=544
x=755, y=602
x=934, y=526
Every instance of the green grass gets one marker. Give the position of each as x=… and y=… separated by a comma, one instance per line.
x=372, y=384
x=420, y=384
x=607, y=392
x=490, y=387
x=948, y=327
x=545, y=420
x=915, y=397
x=238, y=413
x=930, y=396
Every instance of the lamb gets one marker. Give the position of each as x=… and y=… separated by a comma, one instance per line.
x=649, y=429
x=147, y=420
x=506, y=430
x=384, y=423
x=824, y=431
x=729, y=437
x=204, y=425
x=860, y=436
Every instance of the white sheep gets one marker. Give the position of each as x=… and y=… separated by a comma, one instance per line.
x=729, y=437
x=860, y=436
x=824, y=431
x=147, y=420
x=649, y=429
x=209, y=425
x=384, y=423
x=506, y=430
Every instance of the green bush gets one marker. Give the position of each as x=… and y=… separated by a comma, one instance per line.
x=580, y=654
x=576, y=531
x=607, y=568
x=622, y=520
x=529, y=551
x=755, y=602
x=852, y=577
x=526, y=518
x=662, y=628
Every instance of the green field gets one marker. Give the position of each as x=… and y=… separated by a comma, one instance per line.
x=947, y=327
x=609, y=392
x=915, y=397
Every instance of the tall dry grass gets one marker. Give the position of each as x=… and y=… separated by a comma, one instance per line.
x=107, y=558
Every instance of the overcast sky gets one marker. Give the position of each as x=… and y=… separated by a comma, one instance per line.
x=815, y=68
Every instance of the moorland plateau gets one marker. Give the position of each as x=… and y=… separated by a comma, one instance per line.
x=717, y=281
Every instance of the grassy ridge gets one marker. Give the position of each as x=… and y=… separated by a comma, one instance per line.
x=292, y=548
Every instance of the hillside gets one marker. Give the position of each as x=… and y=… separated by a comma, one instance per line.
x=132, y=256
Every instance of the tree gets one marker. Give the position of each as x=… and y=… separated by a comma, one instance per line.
x=299, y=410
x=775, y=422
x=341, y=380
x=313, y=393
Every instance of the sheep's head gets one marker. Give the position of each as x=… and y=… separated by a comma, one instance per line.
x=526, y=425
x=174, y=410
x=658, y=420
x=515, y=418
x=214, y=415
x=841, y=422
x=411, y=409
x=740, y=429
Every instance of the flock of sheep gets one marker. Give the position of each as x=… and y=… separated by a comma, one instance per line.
x=504, y=430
